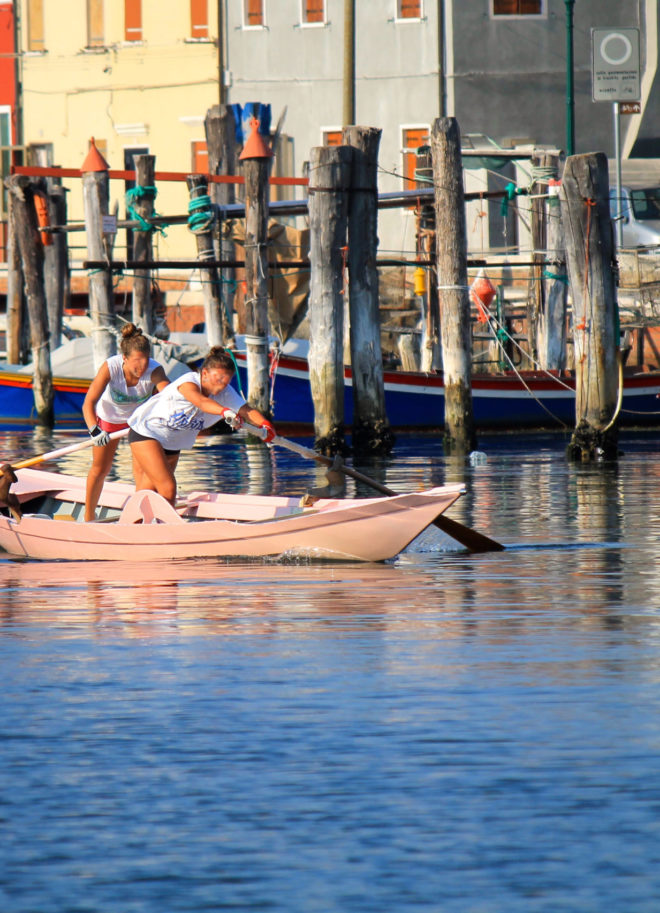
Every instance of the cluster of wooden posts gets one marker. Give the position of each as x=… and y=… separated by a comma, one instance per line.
x=343, y=211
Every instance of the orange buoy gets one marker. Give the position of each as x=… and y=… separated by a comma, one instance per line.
x=41, y=206
x=419, y=277
x=482, y=293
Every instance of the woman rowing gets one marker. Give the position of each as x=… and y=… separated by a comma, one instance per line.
x=122, y=383
x=169, y=423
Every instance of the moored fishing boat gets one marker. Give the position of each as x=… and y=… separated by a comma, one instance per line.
x=413, y=400
x=143, y=526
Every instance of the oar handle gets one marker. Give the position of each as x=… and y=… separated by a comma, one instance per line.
x=71, y=448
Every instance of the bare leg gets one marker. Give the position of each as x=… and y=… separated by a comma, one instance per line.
x=102, y=458
x=155, y=470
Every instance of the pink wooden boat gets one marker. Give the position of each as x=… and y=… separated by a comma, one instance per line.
x=143, y=526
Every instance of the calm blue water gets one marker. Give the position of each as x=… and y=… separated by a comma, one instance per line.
x=445, y=732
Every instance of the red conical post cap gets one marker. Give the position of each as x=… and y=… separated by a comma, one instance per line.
x=255, y=146
x=94, y=160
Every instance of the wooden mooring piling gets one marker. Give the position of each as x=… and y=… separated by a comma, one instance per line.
x=344, y=280
x=590, y=256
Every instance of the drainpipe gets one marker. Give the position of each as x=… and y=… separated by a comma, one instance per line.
x=442, y=93
x=17, y=139
x=348, y=114
x=570, y=92
x=222, y=93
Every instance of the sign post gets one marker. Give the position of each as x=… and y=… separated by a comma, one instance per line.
x=615, y=77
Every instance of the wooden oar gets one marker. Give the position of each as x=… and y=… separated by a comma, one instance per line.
x=470, y=538
x=71, y=448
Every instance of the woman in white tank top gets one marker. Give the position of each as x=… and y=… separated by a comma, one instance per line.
x=122, y=383
x=169, y=423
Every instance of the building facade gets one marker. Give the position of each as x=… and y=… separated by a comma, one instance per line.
x=139, y=75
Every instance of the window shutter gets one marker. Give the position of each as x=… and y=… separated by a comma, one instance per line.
x=36, y=25
x=133, y=20
x=95, y=36
x=412, y=140
x=314, y=11
x=199, y=19
x=254, y=12
x=517, y=7
x=410, y=9
x=200, y=157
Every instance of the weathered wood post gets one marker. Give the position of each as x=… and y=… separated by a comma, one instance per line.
x=28, y=241
x=256, y=165
x=371, y=429
x=200, y=222
x=590, y=254
x=96, y=193
x=548, y=287
x=330, y=178
x=220, y=130
x=56, y=262
x=141, y=207
x=451, y=254
x=551, y=329
x=16, y=311
x=431, y=350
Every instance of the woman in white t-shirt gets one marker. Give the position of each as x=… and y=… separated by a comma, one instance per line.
x=122, y=383
x=169, y=423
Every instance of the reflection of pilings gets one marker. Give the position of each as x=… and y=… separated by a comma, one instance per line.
x=599, y=508
x=260, y=468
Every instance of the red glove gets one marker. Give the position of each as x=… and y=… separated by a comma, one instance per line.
x=270, y=432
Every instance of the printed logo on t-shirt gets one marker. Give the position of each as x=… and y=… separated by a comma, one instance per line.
x=180, y=420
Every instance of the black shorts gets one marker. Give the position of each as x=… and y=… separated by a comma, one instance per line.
x=133, y=437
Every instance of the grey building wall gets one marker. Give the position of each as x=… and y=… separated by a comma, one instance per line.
x=504, y=77
x=510, y=73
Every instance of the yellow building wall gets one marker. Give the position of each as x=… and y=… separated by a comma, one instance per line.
x=153, y=93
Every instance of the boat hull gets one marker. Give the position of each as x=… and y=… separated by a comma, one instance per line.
x=500, y=402
x=412, y=400
x=148, y=528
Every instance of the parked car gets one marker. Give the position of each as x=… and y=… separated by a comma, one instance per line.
x=640, y=211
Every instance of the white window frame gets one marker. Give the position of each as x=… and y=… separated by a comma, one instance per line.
x=402, y=20
x=517, y=17
x=253, y=28
x=313, y=25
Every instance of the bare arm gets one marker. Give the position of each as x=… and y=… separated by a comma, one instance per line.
x=94, y=394
x=249, y=414
x=159, y=378
x=195, y=396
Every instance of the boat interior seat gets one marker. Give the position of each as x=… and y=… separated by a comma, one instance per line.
x=148, y=507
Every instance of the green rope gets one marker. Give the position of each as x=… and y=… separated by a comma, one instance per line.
x=511, y=192
x=560, y=276
x=238, y=376
x=134, y=195
x=201, y=214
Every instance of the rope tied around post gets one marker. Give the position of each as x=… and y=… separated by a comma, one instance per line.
x=201, y=214
x=134, y=195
